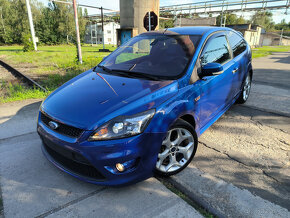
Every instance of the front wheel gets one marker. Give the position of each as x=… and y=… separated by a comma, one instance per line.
x=177, y=149
x=245, y=91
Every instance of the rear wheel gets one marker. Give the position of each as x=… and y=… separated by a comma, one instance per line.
x=245, y=91
x=177, y=150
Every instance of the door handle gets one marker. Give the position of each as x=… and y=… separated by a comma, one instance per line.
x=235, y=70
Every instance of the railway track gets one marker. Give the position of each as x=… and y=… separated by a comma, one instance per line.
x=10, y=74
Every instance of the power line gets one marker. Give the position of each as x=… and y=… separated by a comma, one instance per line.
x=85, y=6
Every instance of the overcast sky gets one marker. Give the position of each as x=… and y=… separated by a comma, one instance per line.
x=114, y=4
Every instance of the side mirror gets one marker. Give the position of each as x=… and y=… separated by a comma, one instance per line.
x=211, y=69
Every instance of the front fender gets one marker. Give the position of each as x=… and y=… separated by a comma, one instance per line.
x=183, y=103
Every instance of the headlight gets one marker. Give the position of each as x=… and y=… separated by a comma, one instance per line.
x=123, y=126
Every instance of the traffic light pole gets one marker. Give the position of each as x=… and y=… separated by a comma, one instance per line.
x=77, y=32
x=31, y=25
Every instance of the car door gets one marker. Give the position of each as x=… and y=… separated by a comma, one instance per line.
x=216, y=91
x=238, y=46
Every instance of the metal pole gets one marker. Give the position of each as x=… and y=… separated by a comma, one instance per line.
x=103, y=28
x=149, y=20
x=225, y=21
x=77, y=32
x=31, y=24
x=222, y=13
x=91, y=27
x=281, y=37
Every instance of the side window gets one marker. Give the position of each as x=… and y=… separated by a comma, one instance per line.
x=216, y=51
x=238, y=44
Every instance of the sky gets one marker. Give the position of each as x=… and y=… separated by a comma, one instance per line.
x=278, y=15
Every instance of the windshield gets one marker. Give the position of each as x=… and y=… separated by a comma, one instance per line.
x=160, y=56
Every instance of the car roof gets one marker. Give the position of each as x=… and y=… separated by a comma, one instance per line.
x=196, y=30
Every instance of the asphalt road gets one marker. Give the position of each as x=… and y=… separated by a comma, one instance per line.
x=241, y=167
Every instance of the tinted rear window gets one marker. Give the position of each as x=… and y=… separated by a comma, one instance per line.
x=238, y=44
x=216, y=51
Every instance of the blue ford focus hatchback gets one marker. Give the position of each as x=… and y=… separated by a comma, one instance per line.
x=141, y=110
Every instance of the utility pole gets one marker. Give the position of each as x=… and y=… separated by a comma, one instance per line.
x=31, y=24
x=222, y=13
x=281, y=37
x=103, y=35
x=225, y=20
x=77, y=32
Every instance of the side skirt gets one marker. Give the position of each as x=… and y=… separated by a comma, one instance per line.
x=218, y=115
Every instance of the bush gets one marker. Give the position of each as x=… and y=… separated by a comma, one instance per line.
x=28, y=44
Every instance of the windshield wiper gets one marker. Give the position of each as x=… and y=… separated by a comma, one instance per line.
x=136, y=74
x=103, y=68
x=128, y=73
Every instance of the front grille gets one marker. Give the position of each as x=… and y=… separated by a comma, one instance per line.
x=72, y=165
x=62, y=128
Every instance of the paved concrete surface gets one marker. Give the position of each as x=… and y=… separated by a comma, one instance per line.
x=249, y=146
x=271, y=89
x=243, y=164
x=32, y=187
x=269, y=98
x=226, y=199
x=273, y=70
x=22, y=115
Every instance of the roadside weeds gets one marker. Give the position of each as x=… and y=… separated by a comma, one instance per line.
x=176, y=190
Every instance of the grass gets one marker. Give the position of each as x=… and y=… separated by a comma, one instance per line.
x=268, y=50
x=53, y=65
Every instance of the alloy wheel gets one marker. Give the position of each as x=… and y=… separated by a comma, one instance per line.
x=247, y=88
x=176, y=150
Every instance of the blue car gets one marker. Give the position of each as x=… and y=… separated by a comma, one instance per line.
x=141, y=110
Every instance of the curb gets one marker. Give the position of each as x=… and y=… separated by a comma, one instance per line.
x=223, y=199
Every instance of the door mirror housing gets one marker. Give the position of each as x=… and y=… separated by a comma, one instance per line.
x=211, y=69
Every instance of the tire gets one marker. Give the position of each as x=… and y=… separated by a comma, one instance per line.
x=245, y=91
x=177, y=149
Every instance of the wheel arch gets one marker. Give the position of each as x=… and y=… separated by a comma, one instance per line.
x=189, y=118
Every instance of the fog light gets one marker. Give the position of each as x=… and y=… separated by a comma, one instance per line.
x=120, y=167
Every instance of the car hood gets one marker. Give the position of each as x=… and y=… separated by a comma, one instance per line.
x=91, y=98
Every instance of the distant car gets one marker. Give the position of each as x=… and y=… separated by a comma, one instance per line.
x=141, y=110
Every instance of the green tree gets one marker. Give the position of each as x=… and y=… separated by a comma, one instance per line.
x=231, y=19
x=283, y=25
x=264, y=19
x=53, y=23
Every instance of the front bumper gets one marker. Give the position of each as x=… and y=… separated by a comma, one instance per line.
x=94, y=161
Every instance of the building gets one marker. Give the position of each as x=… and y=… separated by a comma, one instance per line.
x=132, y=15
x=94, y=33
x=274, y=39
x=199, y=21
x=251, y=33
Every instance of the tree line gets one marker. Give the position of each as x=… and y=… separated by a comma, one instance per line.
x=262, y=18
x=54, y=24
